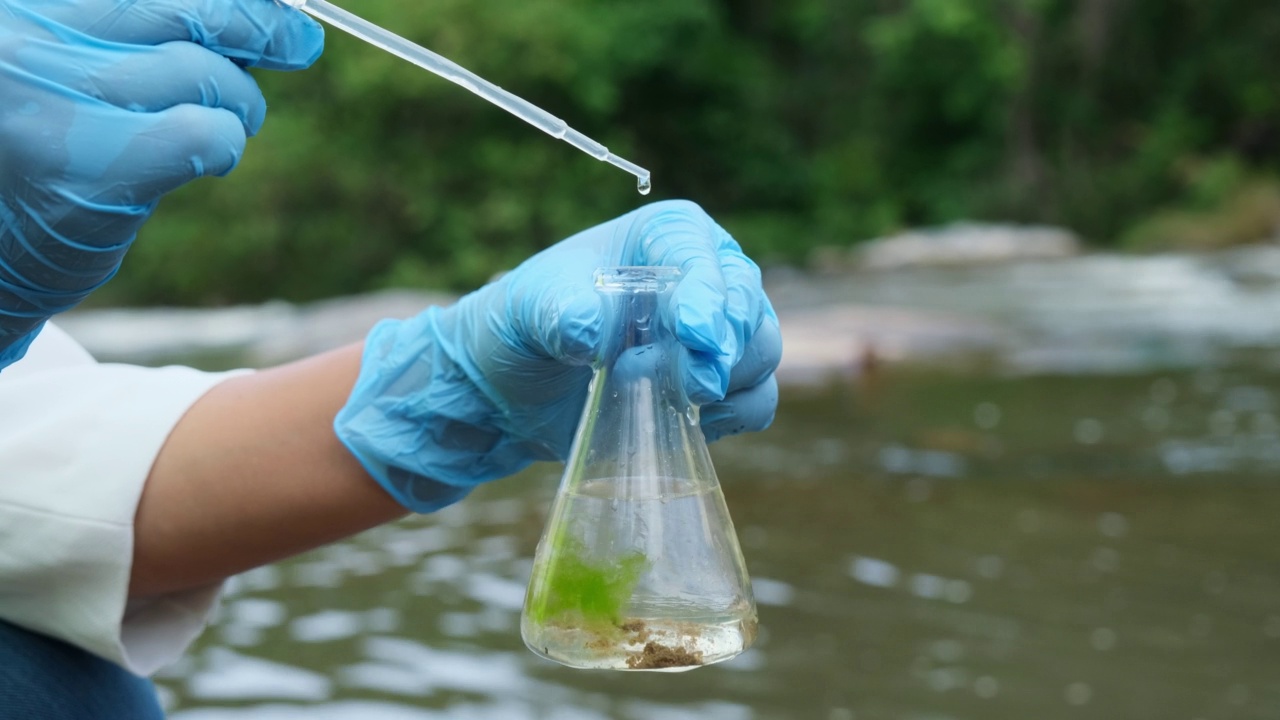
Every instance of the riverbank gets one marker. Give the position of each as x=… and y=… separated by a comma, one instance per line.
x=1091, y=313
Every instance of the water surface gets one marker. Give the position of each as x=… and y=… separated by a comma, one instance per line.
x=923, y=546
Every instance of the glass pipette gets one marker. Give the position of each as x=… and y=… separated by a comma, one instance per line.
x=451, y=71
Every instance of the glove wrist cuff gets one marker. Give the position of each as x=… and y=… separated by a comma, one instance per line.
x=416, y=421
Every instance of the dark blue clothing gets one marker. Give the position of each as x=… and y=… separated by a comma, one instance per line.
x=46, y=679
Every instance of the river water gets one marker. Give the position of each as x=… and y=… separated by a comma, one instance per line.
x=1080, y=523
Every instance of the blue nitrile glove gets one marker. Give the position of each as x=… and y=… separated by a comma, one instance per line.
x=460, y=395
x=105, y=105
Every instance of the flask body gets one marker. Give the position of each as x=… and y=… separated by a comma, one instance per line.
x=639, y=567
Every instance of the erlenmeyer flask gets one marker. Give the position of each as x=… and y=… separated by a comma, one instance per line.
x=639, y=567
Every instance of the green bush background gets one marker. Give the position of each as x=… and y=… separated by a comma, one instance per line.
x=798, y=124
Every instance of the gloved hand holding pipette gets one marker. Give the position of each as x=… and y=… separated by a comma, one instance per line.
x=460, y=395
x=116, y=92
x=107, y=107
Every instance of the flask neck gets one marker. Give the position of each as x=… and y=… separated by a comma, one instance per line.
x=639, y=426
x=637, y=323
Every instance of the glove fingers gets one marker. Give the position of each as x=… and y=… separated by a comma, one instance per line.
x=257, y=33
x=150, y=79
x=679, y=234
x=558, y=319
x=577, y=327
x=182, y=73
x=708, y=377
x=745, y=304
x=124, y=162
x=761, y=357
x=176, y=146
x=747, y=410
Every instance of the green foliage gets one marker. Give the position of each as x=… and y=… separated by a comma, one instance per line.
x=1249, y=211
x=797, y=124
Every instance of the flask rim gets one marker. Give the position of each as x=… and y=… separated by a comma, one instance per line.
x=636, y=278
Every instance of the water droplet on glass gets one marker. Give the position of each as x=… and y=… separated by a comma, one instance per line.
x=643, y=185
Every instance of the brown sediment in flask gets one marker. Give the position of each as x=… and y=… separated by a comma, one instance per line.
x=661, y=657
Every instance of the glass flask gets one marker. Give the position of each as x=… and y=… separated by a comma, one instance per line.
x=638, y=567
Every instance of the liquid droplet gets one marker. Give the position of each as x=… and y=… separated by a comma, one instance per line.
x=643, y=185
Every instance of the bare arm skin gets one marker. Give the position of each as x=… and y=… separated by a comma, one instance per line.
x=254, y=473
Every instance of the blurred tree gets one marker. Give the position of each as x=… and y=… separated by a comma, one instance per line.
x=798, y=124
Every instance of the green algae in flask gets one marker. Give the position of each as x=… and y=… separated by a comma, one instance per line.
x=638, y=567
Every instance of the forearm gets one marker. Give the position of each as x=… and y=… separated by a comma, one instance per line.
x=254, y=473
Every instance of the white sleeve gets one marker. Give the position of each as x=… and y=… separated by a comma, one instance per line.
x=77, y=441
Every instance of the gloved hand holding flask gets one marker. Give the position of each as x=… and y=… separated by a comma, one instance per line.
x=460, y=395
x=108, y=105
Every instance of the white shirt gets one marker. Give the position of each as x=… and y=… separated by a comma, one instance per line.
x=77, y=441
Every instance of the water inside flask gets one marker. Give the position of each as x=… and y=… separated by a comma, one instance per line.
x=639, y=567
